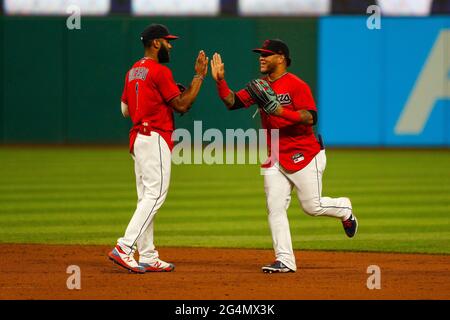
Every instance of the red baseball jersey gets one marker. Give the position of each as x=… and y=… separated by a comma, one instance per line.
x=149, y=86
x=297, y=143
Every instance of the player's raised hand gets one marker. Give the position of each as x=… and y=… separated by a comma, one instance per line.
x=217, y=67
x=201, y=64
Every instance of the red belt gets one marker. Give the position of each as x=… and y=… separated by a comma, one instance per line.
x=143, y=128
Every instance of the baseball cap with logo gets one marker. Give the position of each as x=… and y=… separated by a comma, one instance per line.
x=275, y=46
x=156, y=31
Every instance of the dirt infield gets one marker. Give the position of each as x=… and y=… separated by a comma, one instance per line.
x=39, y=272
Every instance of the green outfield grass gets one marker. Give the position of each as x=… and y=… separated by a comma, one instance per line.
x=87, y=196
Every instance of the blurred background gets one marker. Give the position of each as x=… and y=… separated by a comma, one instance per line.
x=381, y=81
x=374, y=87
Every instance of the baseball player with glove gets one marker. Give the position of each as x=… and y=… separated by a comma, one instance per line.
x=150, y=96
x=285, y=103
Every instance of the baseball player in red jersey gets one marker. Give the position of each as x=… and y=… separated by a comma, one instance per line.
x=300, y=160
x=150, y=96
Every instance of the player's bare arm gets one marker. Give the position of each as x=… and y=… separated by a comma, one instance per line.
x=184, y=101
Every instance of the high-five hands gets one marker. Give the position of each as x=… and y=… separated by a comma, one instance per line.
x=217, y=67
x=201, y=64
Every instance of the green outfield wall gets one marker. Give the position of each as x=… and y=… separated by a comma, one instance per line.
x=63, y=86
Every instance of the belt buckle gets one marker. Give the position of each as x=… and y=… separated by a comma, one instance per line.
x=145, y=130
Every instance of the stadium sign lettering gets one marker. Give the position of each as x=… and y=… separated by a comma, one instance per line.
x=432, y=84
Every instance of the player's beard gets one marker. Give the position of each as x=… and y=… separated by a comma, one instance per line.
x=163, y=54
x=269, y=69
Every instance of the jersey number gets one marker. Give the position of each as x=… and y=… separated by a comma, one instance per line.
x=137, y=95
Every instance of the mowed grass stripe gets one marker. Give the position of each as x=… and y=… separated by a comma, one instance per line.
x=89, y=183
x=223, y=218
x=111, y=194
x=93, y=185
x=383, y=209
x=429, y=233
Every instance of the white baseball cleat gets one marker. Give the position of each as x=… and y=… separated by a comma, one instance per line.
x=157, y=265
x=127, y=261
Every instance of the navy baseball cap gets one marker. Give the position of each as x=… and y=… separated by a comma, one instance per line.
x=156, y=31
x=275, y=46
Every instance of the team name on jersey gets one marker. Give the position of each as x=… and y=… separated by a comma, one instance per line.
x=284, y=98
x=137, y=73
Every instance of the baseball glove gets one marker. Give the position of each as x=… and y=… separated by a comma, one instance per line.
x=264, y=96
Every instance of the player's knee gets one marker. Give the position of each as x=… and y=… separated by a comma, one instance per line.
x=150, y=195
x=153, y=194
x=312, y=207
x=277, y=207
x=274, y=211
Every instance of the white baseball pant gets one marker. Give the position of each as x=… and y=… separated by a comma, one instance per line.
x=152, y=164
x=278, y=185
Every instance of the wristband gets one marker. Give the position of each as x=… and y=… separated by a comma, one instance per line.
x=199, y=76
x=291, y=115
x=223, y=89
